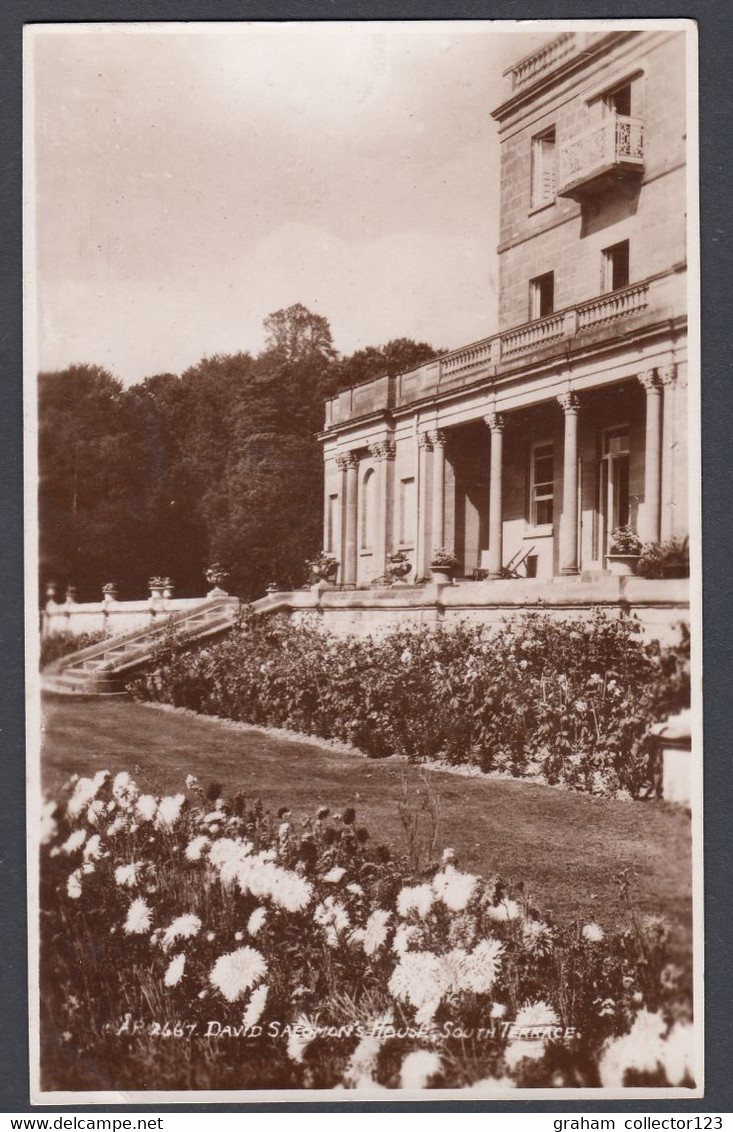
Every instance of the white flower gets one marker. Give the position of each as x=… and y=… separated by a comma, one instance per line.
x=124, y=790
x=301, y=1034
x=375, y=932
x=334, y=918
x=73, y=884
x=449, y=856
x=49, y=825
x=283, y=829
x=359, y=1073
x=174, y=973
x=93, y=848
x=477, y=972
x=593, y=932
x=146, y=807
x=536, y=1019
x=74, y=841
x=169, y=811
x=402, y=937
x=95, y=811
x=537, y=937
x=453, y=888
x=191, y=781
x=416, y=899
x=418, y=1067
x=506, y=910
x=642, y=1049
x=677, y=1054
x=334, y=875
x=498, y=1010
x=126, y=875
x=183, y=927
x=139, y=918
x=195, y=848
x=84, y=791
x=256, y=920
x=255, y=1007
x=421, y=979
x=236, y=972
x=355, y=889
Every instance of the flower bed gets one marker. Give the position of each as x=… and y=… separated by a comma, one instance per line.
x=191, y=942
x=563, y=702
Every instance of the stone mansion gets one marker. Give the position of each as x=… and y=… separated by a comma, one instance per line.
x=522, y=452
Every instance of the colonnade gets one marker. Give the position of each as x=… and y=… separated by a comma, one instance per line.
x=434, y=440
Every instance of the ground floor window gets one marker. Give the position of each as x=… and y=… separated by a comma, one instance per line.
x=614, y=482
x=542, y=480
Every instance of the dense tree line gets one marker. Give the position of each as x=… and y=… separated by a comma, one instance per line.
x=219, y=464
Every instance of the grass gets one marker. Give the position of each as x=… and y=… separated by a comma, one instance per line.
x=567, y=848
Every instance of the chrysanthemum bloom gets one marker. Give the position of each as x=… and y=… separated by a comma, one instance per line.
x=124, y=790
x=642, y=1050
x=191, y=782
x=355, y=889
x=74, y=841
x=183, y=927
x=84, y=791
x=146, y=807
x=302, y=1032
x=536, y=1019
x=126, y=875
x=537, y=937
x=174, y=972
x=233, y=974
x=255, y=1006
x=593, y=933
x=169, y=811
x=256, y=920
x=498, y=1010
x=422, y=980
x=453, y=888
x=49, y=825
x=418, y=898
x=334, y=918
x=73, y=884
x=449, y=857
x=505, y=910
x=283, y=829
x=334, y=875
x=375, y=933
x=418, y=1067
x=95, y=810
x=139, y=918
x=359, y=1072
x=195, y=848
x=93, y=848
x=405, y=934
x=478, y=970
x=677, y=1054
x=117, y=826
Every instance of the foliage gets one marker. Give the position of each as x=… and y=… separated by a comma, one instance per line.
x=568, y=702
x=442, y=556
x=195, y=942
x=624, y=540
x=219, y=463
x=62, y=644
x=660, y=560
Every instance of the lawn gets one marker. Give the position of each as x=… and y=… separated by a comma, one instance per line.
x=567, y=848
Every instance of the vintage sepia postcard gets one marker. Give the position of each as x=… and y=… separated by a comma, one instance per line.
x=364, y=604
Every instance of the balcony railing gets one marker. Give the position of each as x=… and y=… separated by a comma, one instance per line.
x=531, y=68
x=615, y=145
x=663, y=296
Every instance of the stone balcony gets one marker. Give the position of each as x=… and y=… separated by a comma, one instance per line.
x=609, y=153
x=604, y=317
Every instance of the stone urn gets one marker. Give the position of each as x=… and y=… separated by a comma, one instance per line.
x=71, y=592
x=168, y=588
x=109, y=592
x=622, y=565
x=156, y=586
x=443, y=575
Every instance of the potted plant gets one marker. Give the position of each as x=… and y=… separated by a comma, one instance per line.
x=670, y=559
x=71, y=592
x=624, y=551
x=323, y=567
x=168, y=587
x=156, y=584
x=398, y=568
x=443, y=564
x=216, y=576
x=110, y=591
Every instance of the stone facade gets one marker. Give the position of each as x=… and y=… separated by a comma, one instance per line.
x=521, y=452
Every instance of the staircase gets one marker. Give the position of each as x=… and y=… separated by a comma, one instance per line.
x=106, y=668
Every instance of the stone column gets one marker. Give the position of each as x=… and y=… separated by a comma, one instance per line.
x=349, y=464
x=437, y=439
x=650, y=526
x=570, y=405
x=668, y=379
x=383, y=451
x=424, y=536
x=495, y=421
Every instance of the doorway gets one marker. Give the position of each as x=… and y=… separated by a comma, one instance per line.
x=614, y=484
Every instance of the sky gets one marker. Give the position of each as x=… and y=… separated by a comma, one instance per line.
x=189, y=181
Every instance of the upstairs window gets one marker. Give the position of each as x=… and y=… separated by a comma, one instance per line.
x=543, y=169
x=616, y=266
x=618, y=101
x=542, y=295
x=542, y=480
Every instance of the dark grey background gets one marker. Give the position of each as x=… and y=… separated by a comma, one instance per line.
x=715, y=20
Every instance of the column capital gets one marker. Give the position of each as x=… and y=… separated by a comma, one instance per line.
x=495, y=421
x=423, y=440
x=383, y=449
x=568, y=402
x=667, y=374
x=346, y=460
x=647, y=379
x=437, y=437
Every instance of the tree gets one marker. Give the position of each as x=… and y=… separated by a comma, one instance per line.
x=397, y=356
x=295, y=333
